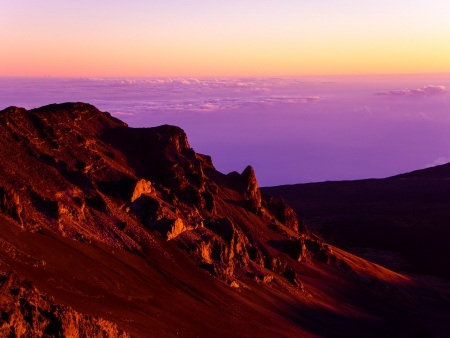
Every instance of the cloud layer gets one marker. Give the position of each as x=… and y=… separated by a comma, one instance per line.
x=424, y=91
x=193, y=94
x=218, y=103
x=291, y=130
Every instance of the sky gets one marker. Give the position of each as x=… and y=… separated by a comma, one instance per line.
x=62, y=38
x=302, y=90
x=291, y=130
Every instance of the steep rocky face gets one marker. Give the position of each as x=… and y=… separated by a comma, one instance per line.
x=87, y=176
x=95, y=172
x=78, y=173
x=26, y=312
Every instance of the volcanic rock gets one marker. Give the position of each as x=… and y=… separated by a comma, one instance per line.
x=10, y=203
x=26, y=312
x=142, y=187
x=285, y=214
x=251, y=189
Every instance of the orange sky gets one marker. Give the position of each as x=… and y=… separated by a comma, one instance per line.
x=216, y=38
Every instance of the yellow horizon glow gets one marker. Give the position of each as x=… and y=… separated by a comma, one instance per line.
x=219, y=40
x=63, y=64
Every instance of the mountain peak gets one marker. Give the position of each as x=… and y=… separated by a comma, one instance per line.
x=12, y=110
x=66, y=107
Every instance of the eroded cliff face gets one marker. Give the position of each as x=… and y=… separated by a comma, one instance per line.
x=84, y=175
x=88, y=176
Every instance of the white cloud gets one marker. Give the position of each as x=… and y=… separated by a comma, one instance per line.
x=218, y=103
x=123, y=113
x=424, y=91
x=131, y=95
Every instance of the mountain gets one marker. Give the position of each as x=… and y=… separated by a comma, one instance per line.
x=107, y=230
x=401, y=222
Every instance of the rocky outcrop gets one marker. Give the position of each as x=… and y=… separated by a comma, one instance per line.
x=297, y=249
x=220, y=247
x=251, y=189
x=10, y=203
x=173, y=228
x=177, y=168
x=285, y=214
x=141, y=187
x=320, y=251
x=26, y=312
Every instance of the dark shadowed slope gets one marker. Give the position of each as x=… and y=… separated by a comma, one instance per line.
x=105, y=228
x=402, y=222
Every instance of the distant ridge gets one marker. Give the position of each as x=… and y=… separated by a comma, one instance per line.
x=400, y=222
x=438, y=172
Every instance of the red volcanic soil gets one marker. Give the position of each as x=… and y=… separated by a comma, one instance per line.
x=107, y=230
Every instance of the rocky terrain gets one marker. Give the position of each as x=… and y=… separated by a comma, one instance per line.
x=24, y=311
x=108, y=230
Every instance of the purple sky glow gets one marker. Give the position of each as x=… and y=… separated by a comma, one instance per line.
x=292, y=130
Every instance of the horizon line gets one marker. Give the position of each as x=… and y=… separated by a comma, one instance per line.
x=217, y=76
